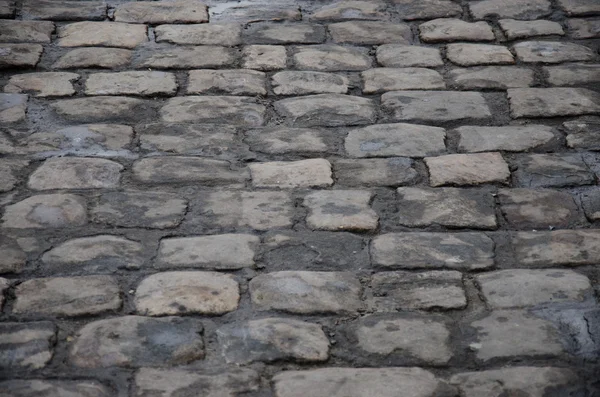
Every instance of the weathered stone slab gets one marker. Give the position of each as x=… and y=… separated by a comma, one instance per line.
x=370, y=32
x=13, y=258
x=244, y=111
x=264, y=57
x=399, y=56
x=269, y=33
x=552, y=52
x=470, y=250
x=99, y=108
x=530, y=209
x=201, y=34
x=552, y=170
x=303, y=292
x=451, y=207
x=64, y=10
x=75, y=173
x=551, y=102
x=20, y=55
x=450, y=29
x=496, y=77
x=4, y=285
x=426, y=9
x=583, y=133
x=300, y=83
x=573, y=74
x=173, y=169
x=560, y=247
x=222, y=252
x=351, y=10
x=394, y=171
x=45, y=84
x=25, y=31
x=331, y=58
x=94, y=57
x=9, y=169
x=174, y=57
x=101, y=34
x=7, y=8
x=467, y=169
x=273, y=339
x=151, y=12
x=291, y=174
x=26, y=345
x=478, y=54
x=12, y=108
x=139, y=209
x=233, y=82
x=67, y=296
x=46, y=211
x=404, y=290
x=435, y=105
x=590, y=201
x=280, y=140
x=524, y=29
x=391, y=79
x=255, y=11
x=518, y=9
x=340, y=210
x=584, y=28
x=190, y=292
x=131, y=83
x=54, y=388
x=515, y=138
x=330, y=110
x=579, y=7
x=135, y=341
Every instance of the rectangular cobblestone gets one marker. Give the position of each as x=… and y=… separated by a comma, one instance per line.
x=64, y=10
x=102, y=34
x=25, y=31
x=176, y=11
x=241, y=110
x=554, y=248
x=20, y=55
x=200, y=34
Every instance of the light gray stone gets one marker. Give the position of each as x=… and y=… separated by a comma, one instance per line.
x=12, y=108
x=243, y=111
x=467, y=169
x=20, y=55
x=497, y=77
x=291, y=174
x=590, y=201
x=583, y=133
x=351, y=10
x=340, y=210
x=450, y=29
x=176, y=11
x=13, y=258
x=370, y=32
x=399, y=56
x=26, y=345
x=269, y=33
x=200, y=34
x=300, y=83
x=45, y=84
x=573, y=74
x=264, y=57
x=393, y=171
x=552, y=52
x=7, y=8
x=64, y=10
x=331, y=58
x=515, y=138
x=46, y=211
x=255, y=11
x=559, y=247
x=530, y=209
x=94, y=57
x=391, y=79
x=233, y=82
x=9, y=173
x=100, y=108
x=551, y=102
x=101, y=34
x=53, y=388
x=75, y=173
x=518, y=9
x=280, y=140
x=187, y=57
x=478, y=54
x=552, y=170
x=426, y=9
x=524, y=29
x=131, y=83
x=25, y=31
x=172, y=169
x=579, y=7
x=584, y=28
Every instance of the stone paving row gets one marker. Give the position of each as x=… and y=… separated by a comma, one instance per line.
x=300, y=198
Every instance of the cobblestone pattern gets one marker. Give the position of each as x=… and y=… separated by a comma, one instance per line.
x=300, y=198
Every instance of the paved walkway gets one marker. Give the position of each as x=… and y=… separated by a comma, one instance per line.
x=384, y=198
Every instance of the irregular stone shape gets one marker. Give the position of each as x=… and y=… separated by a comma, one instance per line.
x=467, y=169
x=579, y=7
x=518, y=9
x=331, y=58
x=550, y=102
x=9, y=170
x=280, y=140
x=522, y=287
x=528, y=381
x=513, y=333
x=243, y=111
x=13, y=258
x=573, y=74
x=101, y=34
x=552, y=170
x=330, y=110
x=205, y=34
x=357, y=382
x=552, y=52
x=426, y=9
x=394, y=171
x=67, y=296
x=99, y=108
x=264, y=57
x=273, y=339
x=523, y=29
x=75, y=173
x=20, y=55
x=269, y=33
x=350, y=10
x=590, y=201
x=43, y=84
x=94, y=57
x=559, y=247
x=435, y=105
x=257, y=210
x=400, y=56
x=303, y=292
x=451, y=207
x=54, y=388
x=174, y=57
x=233, y=82
x=12, y=108
x=450, y=29
x=97, y=252
x=383, y=140
x=515, y=138
x=291, y=174
x=64, y=10
x=139, y=209
x=301, y=83
x=177, y=11
x=131, y=83
x=415, y=338
x=390, y=79
x=256, y=11
x=478, y=54
x=46, y=211
x=4, y=285
x=25, y=31
x=7, y=8
x=172, y=293
x=223, y=252
x=340, y=210
x=370, y=32
x=180, y=383
x=583, y=133
x=404, y=290
x=135, y=341
x=173, y=169
x=26, y=345
x=530, y=209
x=498, y=77
x=412, y=250
x=584, y=28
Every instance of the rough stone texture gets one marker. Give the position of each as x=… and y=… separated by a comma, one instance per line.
x=9, y=169
x=63, y=10
x=273, y=339
x=422, y=250
x=590, y=201
x=68, y=296
x=478, y=54
x=340, y=210
x=101, y=34
x=13, y=258
x=4, y=285
x=264, y=57
x=303, y=292
x=131, y=83
x=583, y=133
x=207, y=34
x=177, y=11
x=524, y=29
x=393, y=171
x=186, y=169
x=233, y=82
x=26, y=345
x=390, y=79
x=281, y=140
x=399, y=56
x=116, y=342
x=172, y=57
x=579, y=7
x=496, y=77
x=518, y=9
x=12, y=108
x=43, y=84
x=552, y=170
x=304, y=173
x=101, y=108
x=7, y=8
x=330, y=110
x=256, y=11
x=25, y=31
x=349, y=10
x=467, y=169
x=549, y=102
x=243, y=111
x=573, y=74
x=53, y=388
x=449, y=29
x=426, y=9
x=560, y=247
x=94, y=57
x=584, y=28
x=20, y=55
x=75, y=173
x=370, y=32
x=284, y=34
x=46, y=211
x=552, y=52
x=300, y=83
x=331, y=58
x=529, y=209
x=511, y=138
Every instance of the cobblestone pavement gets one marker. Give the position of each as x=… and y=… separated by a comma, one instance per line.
x=300, y=198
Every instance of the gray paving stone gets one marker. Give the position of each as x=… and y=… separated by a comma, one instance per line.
x=75, y=173
x=391, y=79
x=25, y=31
x=291, y=174
x=583, y=133
x=404, y=290
x=331, y=58
x=370, y=32
x=140, y=83
x=284, y=34
x=54, y=388
x=398, y=56
x=45, y=84
x=178, y=169
x=552, y=52
x=186, y=292
x=514, y=29
x=552, y=170
x=478, y=54
x=451, y=207
x=328, y=110
x=100, y=108
x=300, y=83
x=26, y=345
x=450, y=29
x=13, y=258
x=551, y=102
x=426, y=9
x=530, y=209
x=273, y=339
x=64, y=10
x=351, y=10
x=590, y=201
x=94, y=57
x=573, y=74
x=232, y=82
x=12, y=108
x=243, y=111
x=495, y=77
x=200, y=34
x=579, y=7
x=340, y=210
x=256, y=11
x=197, y=57
x=515, y=138
x=177, y=11
x=559, y=247
x=303, y=292
x=101, y=34
x=20, y=55
x=281, y=140
x=7, y=8
x=116, y=342
x=46, y=211
x=414, y=250
x=9, y=171
x=584, y=28
x=264, y=57
x=467, y=169
x=518, y=9
x=393, y=171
